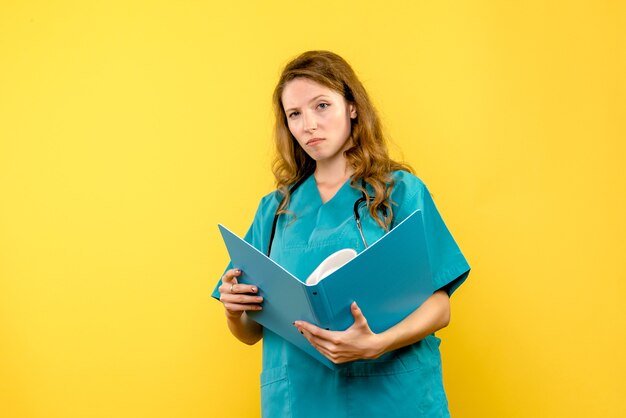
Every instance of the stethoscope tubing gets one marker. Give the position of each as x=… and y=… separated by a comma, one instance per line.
x=355, y=209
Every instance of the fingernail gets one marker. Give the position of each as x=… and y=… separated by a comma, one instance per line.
x=237, y=270
x=254, y=289
x=301, y=332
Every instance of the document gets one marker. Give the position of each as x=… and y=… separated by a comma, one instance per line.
x=388, y=280
x=330, y=264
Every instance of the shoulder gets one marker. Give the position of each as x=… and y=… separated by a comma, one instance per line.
x=272, y=198
x=409, y=194
x=406, y=186
x=268, y=204
x=259, y=232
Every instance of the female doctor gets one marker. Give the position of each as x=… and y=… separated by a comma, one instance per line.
x=337, y=188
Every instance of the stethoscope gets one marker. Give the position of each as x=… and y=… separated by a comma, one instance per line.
x=355, y=209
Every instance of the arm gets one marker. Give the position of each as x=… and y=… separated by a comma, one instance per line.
x=359, y=342
x=238, y=298
x=433, y=315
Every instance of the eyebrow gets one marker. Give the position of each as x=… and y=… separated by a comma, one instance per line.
x=312, y=100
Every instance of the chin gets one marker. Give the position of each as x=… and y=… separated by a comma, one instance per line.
x=316, y=157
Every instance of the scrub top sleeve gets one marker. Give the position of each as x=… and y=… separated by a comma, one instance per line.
x=258, y=233
x=448, y=265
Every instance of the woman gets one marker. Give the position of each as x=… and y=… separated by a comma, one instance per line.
x=330, y=150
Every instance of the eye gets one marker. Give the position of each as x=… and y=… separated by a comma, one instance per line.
x=323, y=105
x=293, y=115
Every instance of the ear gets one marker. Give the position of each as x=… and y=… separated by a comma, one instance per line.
x=352, y=110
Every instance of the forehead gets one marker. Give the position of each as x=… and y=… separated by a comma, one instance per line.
x=300, y=91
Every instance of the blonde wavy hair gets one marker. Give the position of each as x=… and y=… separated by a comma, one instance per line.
x=368, y=154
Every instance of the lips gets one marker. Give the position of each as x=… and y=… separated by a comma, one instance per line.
x=314, y=141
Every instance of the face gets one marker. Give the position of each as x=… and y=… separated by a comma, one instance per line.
x=319, y=119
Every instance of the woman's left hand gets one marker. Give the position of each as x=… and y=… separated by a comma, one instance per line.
x=356, y=343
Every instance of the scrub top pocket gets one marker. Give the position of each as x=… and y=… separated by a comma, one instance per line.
x=408, y=384
x=275, y=394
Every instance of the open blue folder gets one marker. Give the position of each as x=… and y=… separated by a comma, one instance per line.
x=388, y=280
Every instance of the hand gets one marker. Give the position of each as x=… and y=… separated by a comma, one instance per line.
x=238, y=297
x=356, y=343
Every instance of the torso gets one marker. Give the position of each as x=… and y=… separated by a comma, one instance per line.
x=406, y=382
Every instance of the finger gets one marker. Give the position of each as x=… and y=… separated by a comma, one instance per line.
x=314, y=330
x=229, y=279
x=240, y=298
x=242, y=288
x=318, y=343
x=302, y=327
x=328, y=348
x=231, y=275
x=227, y=287
x=327, y=353
x=359, y=318
x=321, y=346
x=321, y=339
x=243, y=307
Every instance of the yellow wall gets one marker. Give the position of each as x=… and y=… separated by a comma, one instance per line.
x=129, y=129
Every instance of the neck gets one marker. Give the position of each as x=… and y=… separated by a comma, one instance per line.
x=333, y=172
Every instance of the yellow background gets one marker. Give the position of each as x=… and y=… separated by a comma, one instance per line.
x=129, y=129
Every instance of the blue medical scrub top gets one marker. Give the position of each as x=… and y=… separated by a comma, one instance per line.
x=403, y=383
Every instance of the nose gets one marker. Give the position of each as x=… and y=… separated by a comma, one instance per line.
x=310, y=124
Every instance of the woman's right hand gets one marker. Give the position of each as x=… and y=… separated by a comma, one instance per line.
x=238, y=297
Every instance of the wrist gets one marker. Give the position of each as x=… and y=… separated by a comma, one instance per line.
x=379, y=346
x=233, y=315
x=384, y=343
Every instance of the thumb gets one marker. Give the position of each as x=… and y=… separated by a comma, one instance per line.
x=359, y=318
